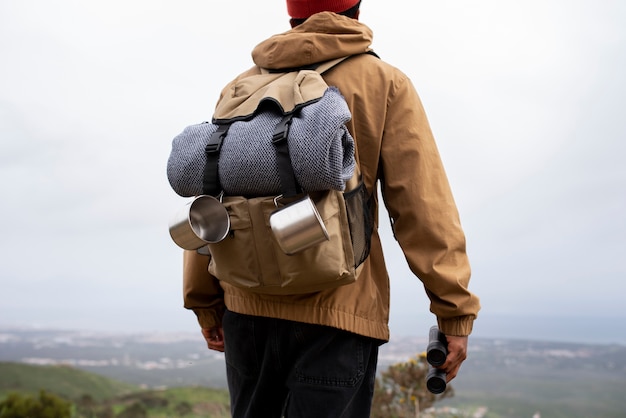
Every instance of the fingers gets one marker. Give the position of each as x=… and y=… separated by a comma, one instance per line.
x=214, y=338
x=216, y=346
x=457, y=353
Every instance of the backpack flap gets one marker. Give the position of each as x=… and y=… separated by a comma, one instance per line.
x=242, y=97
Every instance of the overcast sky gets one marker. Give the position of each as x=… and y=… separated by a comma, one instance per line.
x=526, y=100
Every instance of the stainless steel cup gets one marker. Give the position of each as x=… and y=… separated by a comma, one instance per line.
x=202, y=221
x=298, y=226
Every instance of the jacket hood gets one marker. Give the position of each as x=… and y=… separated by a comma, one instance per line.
x=322, y=37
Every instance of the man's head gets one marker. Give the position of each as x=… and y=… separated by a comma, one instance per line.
x=300, y=10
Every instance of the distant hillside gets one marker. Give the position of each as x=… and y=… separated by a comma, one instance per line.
x=64, y=381
x=94, y=395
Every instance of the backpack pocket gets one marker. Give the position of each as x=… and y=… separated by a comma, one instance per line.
x=325, y=265
x=360, y=220
x=236, y=259
x=251, y=258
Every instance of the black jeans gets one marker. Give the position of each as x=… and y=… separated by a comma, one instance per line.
x=278, y=368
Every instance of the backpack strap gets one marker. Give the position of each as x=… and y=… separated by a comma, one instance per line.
x=320, y=67
x=327, y=65
x=211, y=179
x=288, y=182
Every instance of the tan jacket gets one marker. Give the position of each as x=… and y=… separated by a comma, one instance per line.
x=396, y=147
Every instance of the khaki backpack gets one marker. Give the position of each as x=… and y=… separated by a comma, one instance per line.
x=252, y=256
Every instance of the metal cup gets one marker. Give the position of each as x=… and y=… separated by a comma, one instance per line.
x=202, y=221
x=298, y=226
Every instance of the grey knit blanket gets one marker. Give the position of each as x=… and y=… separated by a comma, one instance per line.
x=320, y=147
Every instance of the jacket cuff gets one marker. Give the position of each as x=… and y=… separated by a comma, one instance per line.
x=459, y=326
x=209, y=318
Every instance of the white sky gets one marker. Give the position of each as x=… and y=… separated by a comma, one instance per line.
x=524, y=98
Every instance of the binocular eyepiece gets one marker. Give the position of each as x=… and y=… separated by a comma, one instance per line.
x=436, y=354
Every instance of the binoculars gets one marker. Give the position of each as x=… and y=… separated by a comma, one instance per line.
x=436, y=354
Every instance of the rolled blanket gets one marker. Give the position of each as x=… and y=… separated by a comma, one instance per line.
x=320, y=147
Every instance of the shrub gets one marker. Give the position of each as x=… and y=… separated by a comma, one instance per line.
x=44, y=406
x=401, y=390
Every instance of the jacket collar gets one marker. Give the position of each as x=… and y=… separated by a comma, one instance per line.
x=322, y=37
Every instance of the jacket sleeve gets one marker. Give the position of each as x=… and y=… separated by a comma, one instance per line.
x=202, y=292
x=424, y=215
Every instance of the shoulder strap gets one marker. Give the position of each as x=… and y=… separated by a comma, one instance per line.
x=320, y=67
x=325, y=66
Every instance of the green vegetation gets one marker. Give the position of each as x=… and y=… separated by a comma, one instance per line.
x=188, y=402
x=44, y=406
x=67, y=382
x=65, y=392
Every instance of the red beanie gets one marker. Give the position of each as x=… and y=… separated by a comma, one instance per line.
x=301, y=9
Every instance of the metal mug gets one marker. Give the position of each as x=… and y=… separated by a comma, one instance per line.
x=202, y=221
x=297, y=225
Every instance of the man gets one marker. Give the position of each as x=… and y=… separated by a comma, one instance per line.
x=315, y=355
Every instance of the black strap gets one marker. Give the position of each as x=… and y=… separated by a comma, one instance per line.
x=288, y=183
x=211, y=180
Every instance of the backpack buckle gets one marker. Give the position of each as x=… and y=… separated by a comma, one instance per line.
x=215, y=141
x=282, y=129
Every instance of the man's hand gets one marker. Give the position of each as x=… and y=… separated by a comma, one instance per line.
x=457, y=353
x=214, y=338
